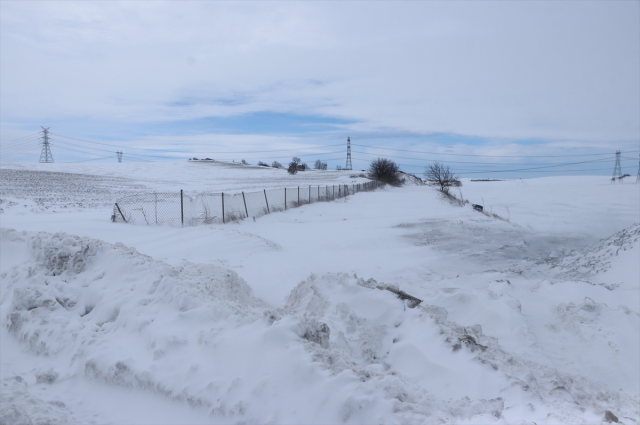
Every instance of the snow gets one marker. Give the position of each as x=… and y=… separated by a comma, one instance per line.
x=530, y=318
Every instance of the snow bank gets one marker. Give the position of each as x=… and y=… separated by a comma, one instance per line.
x=615, y=257
x=340, y=349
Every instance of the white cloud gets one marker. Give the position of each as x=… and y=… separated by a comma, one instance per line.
x=494, y=69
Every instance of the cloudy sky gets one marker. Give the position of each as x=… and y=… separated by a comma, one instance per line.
x=515, y=81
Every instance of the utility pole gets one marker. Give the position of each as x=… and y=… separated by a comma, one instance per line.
x=45, y=155
x=119, y=153
x=617, y=169
x=348, y=166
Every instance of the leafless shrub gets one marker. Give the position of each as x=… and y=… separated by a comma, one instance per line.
x=386, y=171
x=293, y=168
x=319, y=165
x=263, y=164
x=276, y=164
x=296, y=203
x=452, y=199
x=205, y=215
x=490, y=213
x=237, y=217
x=244, y=162
x=441, y=176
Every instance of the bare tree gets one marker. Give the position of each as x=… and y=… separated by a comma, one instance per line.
x=338, y=167
x=440, y=175
x=276, y=164
x=386, y=171
x=319, y=165
x=293, y=168
x=296, y=160
x=244, y=162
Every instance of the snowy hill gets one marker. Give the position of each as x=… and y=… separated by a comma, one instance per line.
x=286, y=320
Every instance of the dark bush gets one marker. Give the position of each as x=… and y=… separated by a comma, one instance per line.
x=293, y=168
x=276, y=164
x=386, y=171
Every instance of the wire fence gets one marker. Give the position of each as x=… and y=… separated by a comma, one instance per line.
x=180, y=209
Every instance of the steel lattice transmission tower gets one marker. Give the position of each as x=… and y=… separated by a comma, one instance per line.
x=617, y=169
x=45, y=155
x=119, y=153
x=348, y=166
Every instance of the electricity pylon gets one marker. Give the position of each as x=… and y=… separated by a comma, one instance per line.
x=119, y=153
x=348, y=166
x=45, y=155
x=617, y=169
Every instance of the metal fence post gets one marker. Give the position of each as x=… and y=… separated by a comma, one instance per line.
x=181, y=208
x=309, y=194
x=223, y=222
x=265, y=200
x=285, y=198
x=298, y=195
x=245, y=205
x=121, y=215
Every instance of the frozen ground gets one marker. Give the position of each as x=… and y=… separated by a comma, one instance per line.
x=283, y=320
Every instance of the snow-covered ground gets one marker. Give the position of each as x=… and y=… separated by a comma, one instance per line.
x=532, y=318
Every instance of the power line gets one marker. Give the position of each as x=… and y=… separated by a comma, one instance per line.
x=528, y=170
x=24, y=137
x=463, y=162
x=19, y=149
x=487, y=156
x=209, y=152
x=174, y=157
x=18, y=144
x=547, y=166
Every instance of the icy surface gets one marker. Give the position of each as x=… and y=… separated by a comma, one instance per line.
x=530, y=319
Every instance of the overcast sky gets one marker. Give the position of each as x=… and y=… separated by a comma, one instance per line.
x=514, y=77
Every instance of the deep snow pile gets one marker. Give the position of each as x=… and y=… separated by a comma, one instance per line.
x=340, y=349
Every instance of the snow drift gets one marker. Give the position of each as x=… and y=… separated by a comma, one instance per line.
x=338, y=350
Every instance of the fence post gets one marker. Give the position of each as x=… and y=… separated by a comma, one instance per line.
x=265, y=200
x=334, y=193
x=121, y=215
x=309, y=194
x=285, y=198
x=181, y=208
x=298, y=195
x=223, y=222
x=245, y=205
x=318, y=193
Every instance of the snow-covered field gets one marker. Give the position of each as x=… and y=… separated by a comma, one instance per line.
x=529, y=319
